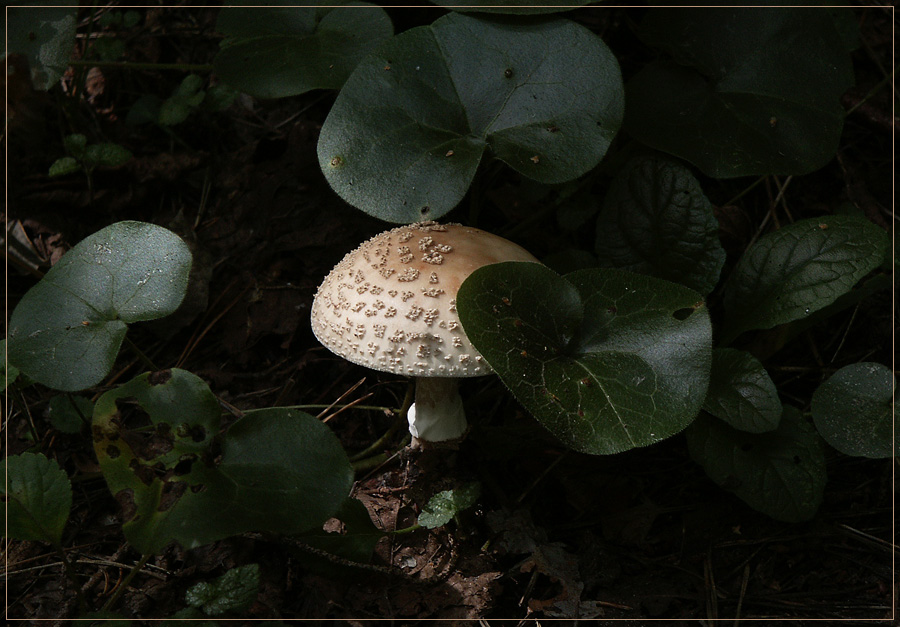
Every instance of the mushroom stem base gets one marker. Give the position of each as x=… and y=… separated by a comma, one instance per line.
x=437, y=415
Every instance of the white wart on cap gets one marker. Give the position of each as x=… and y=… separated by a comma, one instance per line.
x=390, y=305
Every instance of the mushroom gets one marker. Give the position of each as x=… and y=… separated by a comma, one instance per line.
x=390, y=305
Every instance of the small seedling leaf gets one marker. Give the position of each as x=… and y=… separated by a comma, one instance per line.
x=656, y=220
x=275, y=52
x=780, y=473
x=67, y=330
x=853, y=410
x=37, y=496
x=234, y=591
x=409, y=128
x=606, y=360
x=443, y=506
x=109, y=155
x=69, y=413
x=64, y=166
x=46, y=35
x=747, y=91
x=281, y=470
x=741, y=392
x=799, y=269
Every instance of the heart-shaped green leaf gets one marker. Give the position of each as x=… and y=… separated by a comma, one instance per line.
x=748, y=91
x=799, y=269
x=46, y=35
x=37, y=497
x=408, y=130
x=273, y=52
x=358, y=539
x=605, y=359
x=281, y=470
x=780, y=473
x=853, y=410
x=443, y=506
x=67, y=330
x=655, y=220
x=741, y=392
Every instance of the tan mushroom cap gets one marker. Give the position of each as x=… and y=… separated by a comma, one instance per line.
x=390, y=304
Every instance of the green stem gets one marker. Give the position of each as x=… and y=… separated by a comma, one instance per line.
x=140, y=354
x=129, y=65
x=125, y=582
x=414, y=527
x=390, y=433
x=70, y=573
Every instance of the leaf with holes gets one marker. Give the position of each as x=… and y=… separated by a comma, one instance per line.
x=655, y=220
x=37, y=497
x=799, y=269
x=605, y=359
x=67, y=330
x=741, y=392
x=853, y=410
x=273, y=52
x=747, y=91
x=780, y=473
x=156, y=438
x=409, y=128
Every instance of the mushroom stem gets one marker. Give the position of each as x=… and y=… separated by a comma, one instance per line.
x=437, y=414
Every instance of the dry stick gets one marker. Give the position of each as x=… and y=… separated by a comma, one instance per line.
x=124, y=584
x=745, y=579
x=340, y=398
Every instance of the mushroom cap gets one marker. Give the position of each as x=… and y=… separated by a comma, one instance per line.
x=390, y=304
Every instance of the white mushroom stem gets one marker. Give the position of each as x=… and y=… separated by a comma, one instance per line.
x=437, y=414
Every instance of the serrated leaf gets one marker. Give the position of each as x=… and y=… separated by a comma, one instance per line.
x=46, y=35
x=853, y=410
x=409, y=128
x=69, y=413
x=281, y=470
x=275, y=52
x=748, y=91
x=443, y=506
x=67, y=330
x=606, y=360
x=64, y=166
x=741, y=392
x=656, y=220
x=107, y=154
x=234, y=591
x=799, y=269
x=780, y=473
x=37, y=497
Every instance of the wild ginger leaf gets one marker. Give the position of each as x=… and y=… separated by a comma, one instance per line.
x=67, y=330
x=741, y=392
x=606, y=360
x=799, y=269
x=411, y=124
x=280, y=470
x=853, y=410
x=656, y=220
x=780, y=473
